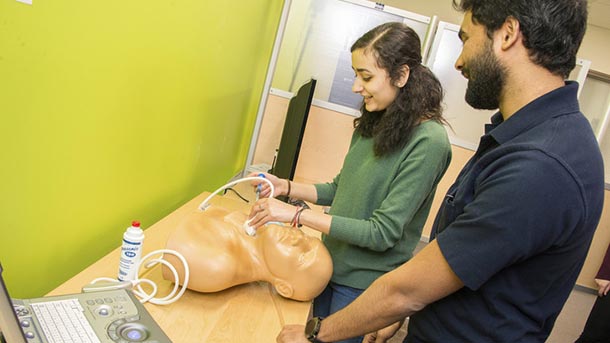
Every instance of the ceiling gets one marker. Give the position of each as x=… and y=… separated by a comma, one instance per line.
x=599, y=13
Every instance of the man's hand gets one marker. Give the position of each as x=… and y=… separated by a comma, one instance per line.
x=380, y=336
x=292, y=334
x=604, y=287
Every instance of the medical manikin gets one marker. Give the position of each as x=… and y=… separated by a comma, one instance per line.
x=221, y=254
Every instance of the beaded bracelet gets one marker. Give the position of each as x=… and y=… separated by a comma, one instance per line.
x=299, y=216
x=293, y=222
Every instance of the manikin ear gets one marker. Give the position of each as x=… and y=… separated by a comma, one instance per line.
x=283, y=288
x=404, y=76
x=510, y=33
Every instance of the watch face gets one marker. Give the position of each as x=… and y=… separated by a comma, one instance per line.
x=312, y=327
x=311, y=324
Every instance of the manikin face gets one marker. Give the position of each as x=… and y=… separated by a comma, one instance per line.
x=372, y=82
x=480, y=66
x=300, y=260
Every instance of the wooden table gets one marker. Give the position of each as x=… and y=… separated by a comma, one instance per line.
x=246, y=313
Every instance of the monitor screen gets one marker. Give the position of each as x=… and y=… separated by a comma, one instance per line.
x=292, y=134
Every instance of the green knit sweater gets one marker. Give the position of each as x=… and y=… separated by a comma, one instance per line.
x=379, y=204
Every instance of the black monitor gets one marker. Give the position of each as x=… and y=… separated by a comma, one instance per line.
x=292, y=135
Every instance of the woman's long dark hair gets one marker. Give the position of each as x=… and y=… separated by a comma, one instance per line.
x=395, y=45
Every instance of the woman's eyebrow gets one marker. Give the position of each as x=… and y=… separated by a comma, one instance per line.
x=361, y=70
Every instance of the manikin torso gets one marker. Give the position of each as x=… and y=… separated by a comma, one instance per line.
x=220, y=255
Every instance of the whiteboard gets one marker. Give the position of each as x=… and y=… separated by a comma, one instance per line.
x=317, y=41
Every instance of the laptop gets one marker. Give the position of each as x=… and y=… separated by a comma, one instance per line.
x=96, y=317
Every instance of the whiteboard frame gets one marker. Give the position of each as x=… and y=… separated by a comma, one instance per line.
x=267, y=86
x=436, y=41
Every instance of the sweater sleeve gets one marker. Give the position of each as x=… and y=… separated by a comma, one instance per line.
x=326, y=191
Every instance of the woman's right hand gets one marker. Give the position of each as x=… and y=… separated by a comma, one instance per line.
x=270, y=210
x=604, y=287
x=280, y=185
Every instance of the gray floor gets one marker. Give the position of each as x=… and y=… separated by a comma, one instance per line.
x=569, y=324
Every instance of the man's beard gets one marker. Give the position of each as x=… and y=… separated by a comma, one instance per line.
x=485, y=80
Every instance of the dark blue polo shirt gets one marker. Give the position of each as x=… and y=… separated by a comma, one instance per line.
x=517, y=224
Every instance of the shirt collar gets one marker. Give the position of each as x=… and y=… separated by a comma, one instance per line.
x=553, y=104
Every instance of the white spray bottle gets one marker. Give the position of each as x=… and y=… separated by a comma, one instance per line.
x=131, y=252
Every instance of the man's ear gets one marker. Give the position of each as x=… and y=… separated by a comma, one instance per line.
x=510, y=32
x=283, y=288
x=404, y=76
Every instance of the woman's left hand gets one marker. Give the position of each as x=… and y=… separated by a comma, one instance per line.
x=270, y=210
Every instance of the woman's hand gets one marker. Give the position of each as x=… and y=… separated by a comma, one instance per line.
x=280, y=185
x=270, y=210
x=604, y=287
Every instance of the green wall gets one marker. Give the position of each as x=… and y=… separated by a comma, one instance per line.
x=118, y=110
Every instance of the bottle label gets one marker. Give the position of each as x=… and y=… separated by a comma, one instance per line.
x=130, y=257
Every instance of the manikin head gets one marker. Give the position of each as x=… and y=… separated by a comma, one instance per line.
x=220, y=255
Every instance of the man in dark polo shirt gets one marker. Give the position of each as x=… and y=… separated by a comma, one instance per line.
x=514, y=230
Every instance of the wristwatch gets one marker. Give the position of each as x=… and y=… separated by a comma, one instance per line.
x=312, y=328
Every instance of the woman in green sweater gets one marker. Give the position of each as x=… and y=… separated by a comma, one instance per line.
x=382, y=196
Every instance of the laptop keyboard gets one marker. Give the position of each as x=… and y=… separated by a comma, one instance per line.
x=63, y=321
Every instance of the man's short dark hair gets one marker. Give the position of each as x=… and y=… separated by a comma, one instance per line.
x=553, y=29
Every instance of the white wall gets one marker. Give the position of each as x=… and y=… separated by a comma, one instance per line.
x=596, y=48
